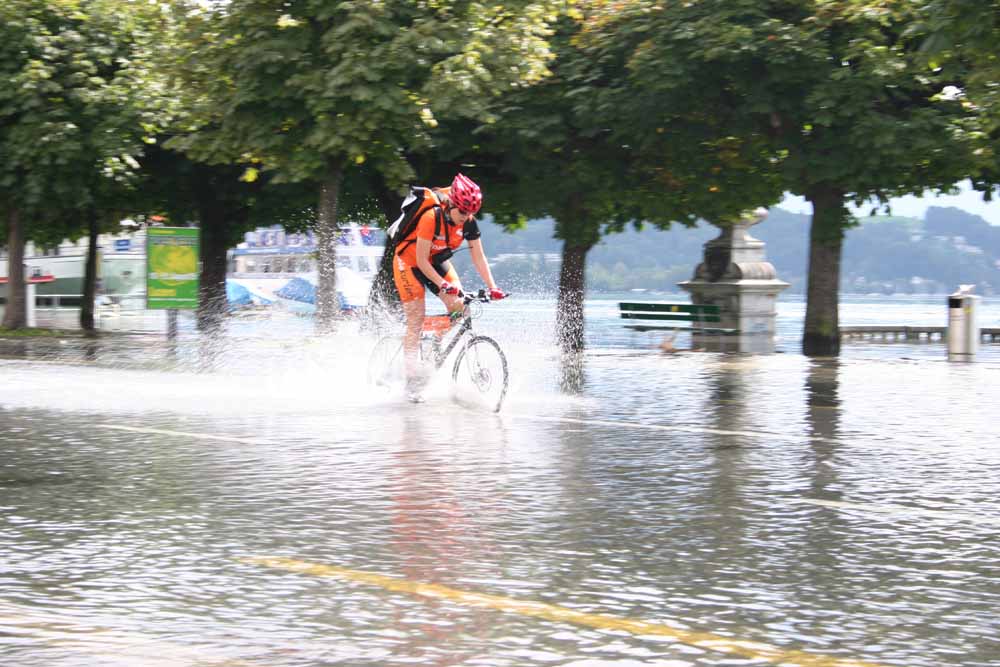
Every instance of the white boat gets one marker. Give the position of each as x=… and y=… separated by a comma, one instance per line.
x=281, y=266
x=121, y=267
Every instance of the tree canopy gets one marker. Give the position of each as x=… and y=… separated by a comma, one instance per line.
x=834, y=92
x=310, y=90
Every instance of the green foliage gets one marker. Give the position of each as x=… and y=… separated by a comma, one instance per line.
x=960, y=37
x=81, y=96
x=312, y=91
x=28, y=332
x=832, y=91
x=578, y=148
x=687, y=136
x=314, y=83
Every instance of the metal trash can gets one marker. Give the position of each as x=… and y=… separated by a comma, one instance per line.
x=963, y=332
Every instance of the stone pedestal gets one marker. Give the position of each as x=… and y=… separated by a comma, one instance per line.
x=735, y=276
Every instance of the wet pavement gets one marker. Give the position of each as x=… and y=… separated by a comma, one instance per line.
x=251, y=502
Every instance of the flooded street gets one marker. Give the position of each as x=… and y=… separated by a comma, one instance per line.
x=679, y=510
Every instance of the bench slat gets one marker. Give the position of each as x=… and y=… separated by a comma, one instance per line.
x=662, y=327
x=654, y=307
x=697, y=314
x=671, y=316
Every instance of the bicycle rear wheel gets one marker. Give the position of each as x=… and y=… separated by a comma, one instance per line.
x=386, y=371
x=481, y=372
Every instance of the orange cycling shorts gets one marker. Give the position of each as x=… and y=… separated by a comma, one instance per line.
x=412, y=283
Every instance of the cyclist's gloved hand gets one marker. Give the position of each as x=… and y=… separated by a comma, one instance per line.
x=447, y=288
x=496, y=294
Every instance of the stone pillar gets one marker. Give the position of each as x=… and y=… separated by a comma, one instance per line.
x=735, y=276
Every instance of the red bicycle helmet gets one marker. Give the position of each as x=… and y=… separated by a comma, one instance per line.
x=466, y=195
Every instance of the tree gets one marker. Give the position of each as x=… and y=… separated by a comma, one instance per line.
x=835, y=89
x=315, y=89
x=80, y=102
x=574, y=147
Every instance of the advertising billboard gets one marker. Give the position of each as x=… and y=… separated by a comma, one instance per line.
x=172, y=268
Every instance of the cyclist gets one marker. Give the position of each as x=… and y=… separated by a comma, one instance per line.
x=421, y=263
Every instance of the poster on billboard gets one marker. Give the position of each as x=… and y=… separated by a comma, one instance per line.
x=172, y=268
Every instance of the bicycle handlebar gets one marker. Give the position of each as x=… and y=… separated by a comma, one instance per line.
x=482, y=296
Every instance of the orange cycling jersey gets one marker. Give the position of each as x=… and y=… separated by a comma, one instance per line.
x=444, y=236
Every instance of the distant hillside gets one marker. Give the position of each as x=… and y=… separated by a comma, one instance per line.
x=883, y=254
x=894, y=254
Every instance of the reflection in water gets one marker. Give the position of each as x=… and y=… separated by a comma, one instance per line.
x=210, y=346
x=822, y=393
x=728, y=471
x=431, y=528
x=438, y=536
x=823, y=396
x=15, y=349
x=727, y=399
x=572, y=376
x=172, y=351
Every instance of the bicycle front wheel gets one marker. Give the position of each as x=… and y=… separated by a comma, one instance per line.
x=481, y=372
x=386, y=371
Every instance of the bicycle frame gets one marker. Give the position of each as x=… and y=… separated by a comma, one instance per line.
x=491, y=381
x=439, y=354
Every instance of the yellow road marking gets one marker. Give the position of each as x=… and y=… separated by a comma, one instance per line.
x=899, y=510
x=747, y=649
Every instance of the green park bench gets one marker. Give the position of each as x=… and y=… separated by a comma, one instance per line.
x=665, y=316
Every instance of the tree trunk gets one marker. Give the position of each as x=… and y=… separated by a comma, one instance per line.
x=384, y=293
x=384, y=297
x=327, y=302
x=213, y=244
x=826, y=239
x=90, y=275
x=15, y=315
x=569, y=308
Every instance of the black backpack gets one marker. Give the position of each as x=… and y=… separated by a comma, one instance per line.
x=416, y=203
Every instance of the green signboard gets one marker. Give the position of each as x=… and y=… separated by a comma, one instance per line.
x=171, y=268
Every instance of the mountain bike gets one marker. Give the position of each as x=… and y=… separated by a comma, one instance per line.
x=480, y=368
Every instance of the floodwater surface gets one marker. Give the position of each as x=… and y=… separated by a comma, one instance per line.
x=674, y=510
